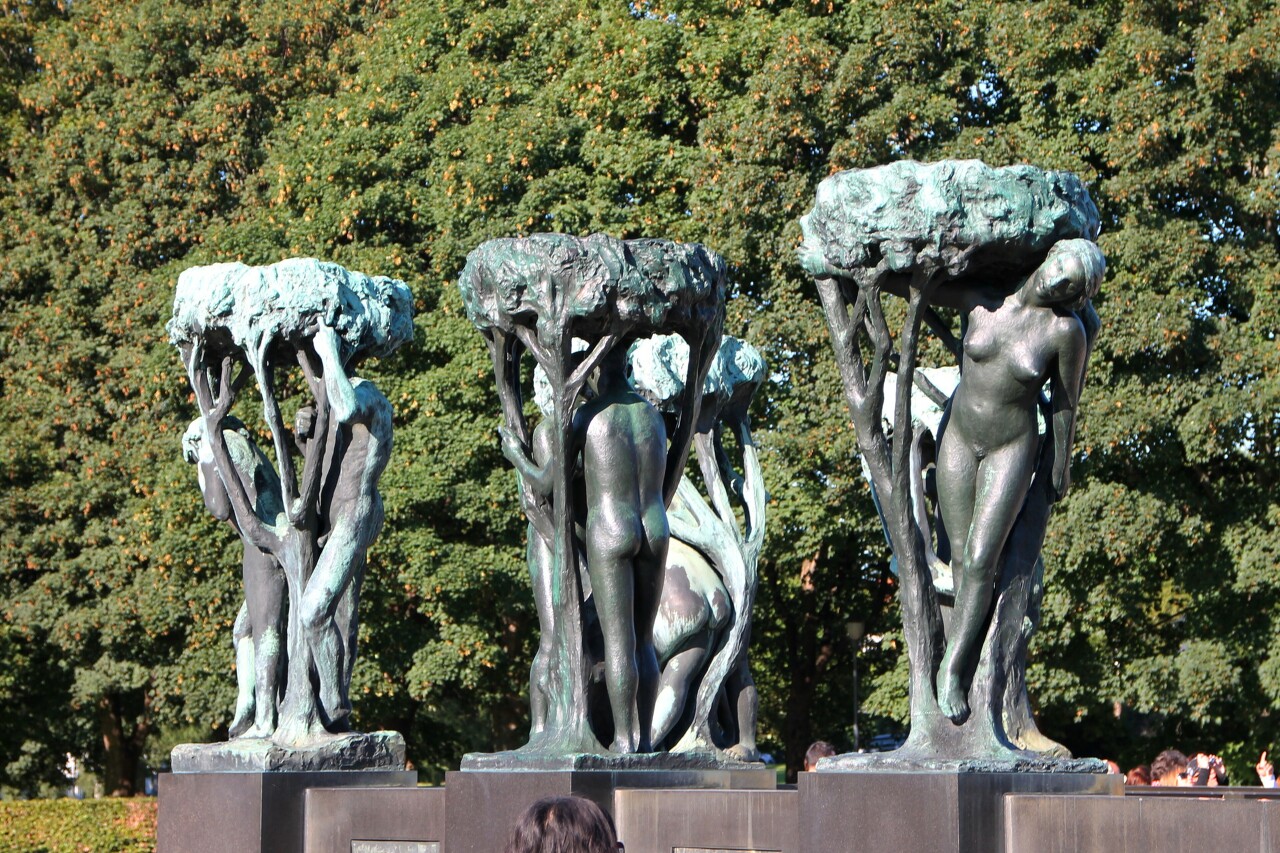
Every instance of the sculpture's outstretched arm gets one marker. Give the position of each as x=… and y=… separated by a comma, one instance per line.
x=313, y=450
x=732, y=479
x=752, y=490
x=341, y=392
x=702, y=351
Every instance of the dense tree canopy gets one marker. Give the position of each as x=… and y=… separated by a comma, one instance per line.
x=139, y=139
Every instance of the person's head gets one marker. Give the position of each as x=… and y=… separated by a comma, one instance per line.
x=1112, y=767
x=564, y=825
x=1140, y=775
x=611, y=375
x=191, y=441
x=1168, y=766
x=1070, y=275
x=194, y=446
x=304, y=422
x=818, y=749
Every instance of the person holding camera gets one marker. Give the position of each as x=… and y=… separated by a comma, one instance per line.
x=1206, y=770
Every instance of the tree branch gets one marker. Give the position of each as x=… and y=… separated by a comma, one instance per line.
x=942, y=331
x=590, y=363
x=271, y=410
x=314, y=455
x=249, y=524
x=505, y=352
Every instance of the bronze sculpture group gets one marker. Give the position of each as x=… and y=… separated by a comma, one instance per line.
x=643, y=583
x=304, y=540
x=1012, y=252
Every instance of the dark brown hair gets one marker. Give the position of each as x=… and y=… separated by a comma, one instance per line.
x=564, y=825
x=1168, y=762
x=817, y=749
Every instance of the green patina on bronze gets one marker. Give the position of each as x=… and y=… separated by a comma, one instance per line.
x=704, y=624
x=305, y=537
x=537, y=294
x=1011, y=250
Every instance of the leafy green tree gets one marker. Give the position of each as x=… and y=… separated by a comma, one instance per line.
x=138, y=139
x=138, y=126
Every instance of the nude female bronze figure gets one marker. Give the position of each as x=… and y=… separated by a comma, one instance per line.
x=1012, y=345
x=623, y=444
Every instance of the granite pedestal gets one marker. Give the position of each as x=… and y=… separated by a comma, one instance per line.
x=482, y=806
x=942, y=811
x=1190, y=821
x=375, y=820
x=249, y=812
x=651, y=821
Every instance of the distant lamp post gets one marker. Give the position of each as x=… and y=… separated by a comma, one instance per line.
x=856, y=630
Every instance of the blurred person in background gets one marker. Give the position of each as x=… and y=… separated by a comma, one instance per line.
x=1140, y=775
x=1266, y=773
x=817, y=749
x=1206, y=770
x=1169, y=769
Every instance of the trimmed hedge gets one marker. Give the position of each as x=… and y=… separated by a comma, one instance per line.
x=78, y=826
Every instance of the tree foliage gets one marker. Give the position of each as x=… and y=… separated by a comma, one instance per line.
x=139, y=139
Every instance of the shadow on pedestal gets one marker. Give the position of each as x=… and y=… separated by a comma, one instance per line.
x=940, y=811
x=249, y=812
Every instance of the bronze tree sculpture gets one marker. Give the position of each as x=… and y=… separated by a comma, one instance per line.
x=232, y=322
x=1012, y=250
x=537, y=294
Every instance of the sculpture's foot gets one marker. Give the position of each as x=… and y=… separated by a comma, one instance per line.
x=624, y=746
x=743, y=752
x=243, y=720
x=256, y=731
x=1033, y=741
x=952, y=700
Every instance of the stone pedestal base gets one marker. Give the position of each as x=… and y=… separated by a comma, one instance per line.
x=375, y=820
x=942, y=812
x=482, y=806
x=248, y=812
x=662, y=821
x=1145, y=820
x=350, y=751
x=700, y=763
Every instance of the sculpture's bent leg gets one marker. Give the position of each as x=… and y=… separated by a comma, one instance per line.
x=342, y=557
x=679, y=674
x=695, y=606
x=1001, y=482
x=246, y=689
x=264, y=587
